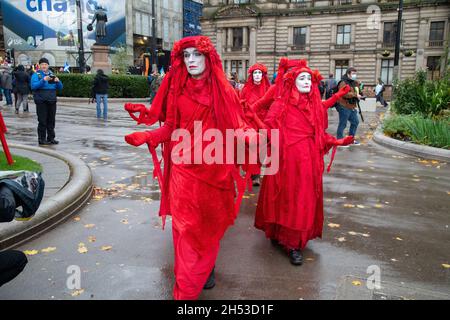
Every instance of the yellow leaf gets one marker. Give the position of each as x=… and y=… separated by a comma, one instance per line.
x=121, y=210
x=48, y=250
x=399, y=239
x=31, y=252
x=416, y=180
x=77, y=219
x=89, y=226
x=356, y=283
x=124, y=221
x=246, y=197
x=434, y=162
x=106, y=248
x=77, y=293
x=334, y=225
x=348, y=205
x=92, y=239
x=341, y=239
x=82, y=250
x=378, y=205
x=446, y=266
x=360, y=206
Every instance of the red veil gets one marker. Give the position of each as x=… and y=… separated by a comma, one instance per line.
x=227, y=110
x=251, y=87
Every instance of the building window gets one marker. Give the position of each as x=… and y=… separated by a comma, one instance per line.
x=389, y=33
x=238, y=38
x=240, y=1
x=236, y=66
x=436, y=38
x=300, y=36
x=387, y=70
x=340, y=69
x=434, y=68
x=344, y=34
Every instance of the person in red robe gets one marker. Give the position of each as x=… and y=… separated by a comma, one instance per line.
x=290, y=204
x=254, y=89
x=199, y=196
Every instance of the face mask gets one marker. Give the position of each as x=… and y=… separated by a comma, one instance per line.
x=194, y=61
x=354, y=77
x=303, y=82
x=257, y=76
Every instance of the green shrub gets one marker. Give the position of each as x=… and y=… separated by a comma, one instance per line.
x=120, y=86
x=421, y=130
x=418, y=95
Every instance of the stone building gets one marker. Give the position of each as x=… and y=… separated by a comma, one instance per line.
x=331, y=35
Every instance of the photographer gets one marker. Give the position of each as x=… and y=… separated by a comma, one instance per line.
x=347, y=105
x=44, y=85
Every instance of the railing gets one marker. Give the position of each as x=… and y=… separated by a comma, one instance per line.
x=436, y=43
x=341, y=46
x=298, y=47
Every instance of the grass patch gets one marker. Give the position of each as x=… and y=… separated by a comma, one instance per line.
x=20, y=163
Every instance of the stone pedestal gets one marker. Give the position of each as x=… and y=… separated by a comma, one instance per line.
x=100, y=57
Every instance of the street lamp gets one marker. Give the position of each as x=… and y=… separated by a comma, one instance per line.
x=398, y=41
x=81, y=61
x=154, y=56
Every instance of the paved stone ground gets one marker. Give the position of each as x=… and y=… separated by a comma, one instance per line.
x=383, y=209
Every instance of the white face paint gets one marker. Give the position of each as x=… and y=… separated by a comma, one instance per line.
x=194, y=61
x=303, y=82
x=257, y=76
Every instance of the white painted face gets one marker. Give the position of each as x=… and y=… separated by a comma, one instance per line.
x=257, y=76
x=303, y=82
x=194, y=61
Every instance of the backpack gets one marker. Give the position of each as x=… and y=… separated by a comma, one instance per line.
x=28, y=190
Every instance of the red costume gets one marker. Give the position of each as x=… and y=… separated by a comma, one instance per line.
x=200, y=197
x=252, y=91
x=290, y=205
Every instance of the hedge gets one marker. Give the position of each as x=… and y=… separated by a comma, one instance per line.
x=120, y=86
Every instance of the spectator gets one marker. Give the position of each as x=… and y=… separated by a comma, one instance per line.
x=100, y=89
x=347, y=105
x=44, y=85
x=6, y=84
x=379, y=89
x=22, y=87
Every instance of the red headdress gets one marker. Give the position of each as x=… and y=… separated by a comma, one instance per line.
x=224, y=99
x=250, y=86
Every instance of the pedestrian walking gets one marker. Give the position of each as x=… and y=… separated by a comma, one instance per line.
x=347, y=105
x=22, y=88
x=379, y=90
x=100, y=90
x=44, y=85
x=6, y=84
x=330, y=86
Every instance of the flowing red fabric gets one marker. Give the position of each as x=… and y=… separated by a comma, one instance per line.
x=252, y=91
x=290, y=204
x=200, y=197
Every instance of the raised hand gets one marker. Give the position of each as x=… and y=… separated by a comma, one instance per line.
x=139, y=138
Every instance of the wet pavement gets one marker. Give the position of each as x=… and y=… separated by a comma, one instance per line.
x=384, y=211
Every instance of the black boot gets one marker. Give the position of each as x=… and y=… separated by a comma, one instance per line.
x=211, y=282
x=296, y=257
x=53, y=141
x=44, y=143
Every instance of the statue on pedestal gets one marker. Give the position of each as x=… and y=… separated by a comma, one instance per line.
x=100, y=28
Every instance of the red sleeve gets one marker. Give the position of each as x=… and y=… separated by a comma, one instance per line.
x=330, y=102
x=266, y=101
x=164, y=133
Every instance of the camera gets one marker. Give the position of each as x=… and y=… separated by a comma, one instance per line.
x=52, y=78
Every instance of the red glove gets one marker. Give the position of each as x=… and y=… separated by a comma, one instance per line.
x=139, y=138
x=345, y=142
x=342, y=92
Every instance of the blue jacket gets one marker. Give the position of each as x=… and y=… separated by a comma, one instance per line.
x=42, y=90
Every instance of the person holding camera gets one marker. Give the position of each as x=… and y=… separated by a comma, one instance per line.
x=347, y=105
x=44, y=85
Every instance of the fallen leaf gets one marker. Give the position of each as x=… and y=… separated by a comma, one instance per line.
x=82, y=248
x=348, y=205
x=92, y=239
x=89, y=226
x=77, y=293
x=360, y=206
x=124, y=221
x=399, y=239
x=48, y=250
x=246, y=197
x=77, y=219
x=394, y=260
x=416, y=180
x=334, y=225
x=341, y=239
x=121, y=210
x=106, y=248
x=356, y=283
x=309, y=259
x=446, y=266
x=31, y=252
x=378, y=205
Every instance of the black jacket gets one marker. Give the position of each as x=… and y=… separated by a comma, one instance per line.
x=101, y=84
x=22, y=79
